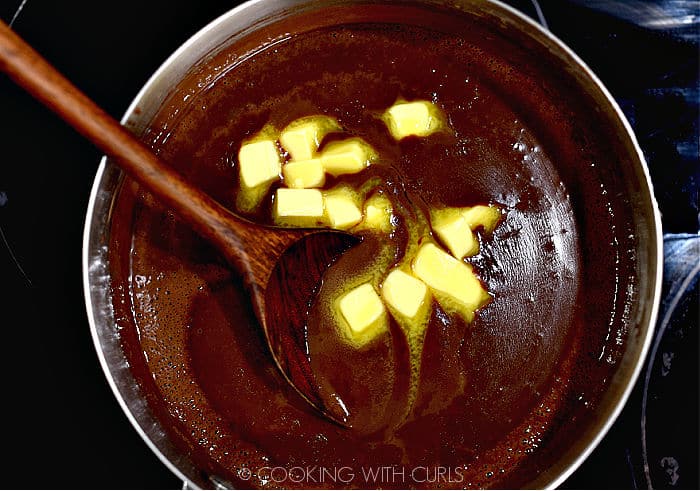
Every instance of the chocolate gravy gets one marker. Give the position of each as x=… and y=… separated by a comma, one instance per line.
x=499, y=398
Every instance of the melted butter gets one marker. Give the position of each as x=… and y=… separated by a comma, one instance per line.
x=414, y=328
x=371, y=272
x=383, y=249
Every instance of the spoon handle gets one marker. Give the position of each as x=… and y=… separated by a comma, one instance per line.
x=33, y=73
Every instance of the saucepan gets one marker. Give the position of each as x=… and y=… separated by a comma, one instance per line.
x=640, y=243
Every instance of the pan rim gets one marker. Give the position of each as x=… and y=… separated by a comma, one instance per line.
x=194, y=45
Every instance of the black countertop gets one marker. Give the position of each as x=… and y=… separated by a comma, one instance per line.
x=63, y=427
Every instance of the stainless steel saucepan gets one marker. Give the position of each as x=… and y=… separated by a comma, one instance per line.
x=255, y=15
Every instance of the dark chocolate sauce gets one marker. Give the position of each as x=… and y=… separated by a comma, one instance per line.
x=499, y=398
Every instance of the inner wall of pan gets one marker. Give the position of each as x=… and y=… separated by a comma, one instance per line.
x=258, y=14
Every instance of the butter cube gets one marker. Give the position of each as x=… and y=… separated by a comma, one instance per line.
x=450, y=279
x=300, y=207
x=453, y=230
x=304, y=174
x=377, y=214
x=259, y=163
x=362, y=309
x=346, y=156
x=302, y=137
x=482, y=216
x=342, y=210
x=404, y=293
x=419, y=118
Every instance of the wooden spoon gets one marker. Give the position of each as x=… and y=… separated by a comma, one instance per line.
x=280, y=267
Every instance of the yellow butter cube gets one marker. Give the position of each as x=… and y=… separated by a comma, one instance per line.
x=450, y=278
x=482, y=216
x=259, y=163
x=301, y=207
x=377, y=214
x=304, y=174
x=346, y=156
x=362, y=309
x=419, y=118
x=302, y=137
x=342, y=210
x=453, y=230
x=404, y=293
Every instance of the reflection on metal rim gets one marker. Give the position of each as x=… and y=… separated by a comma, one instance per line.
x=96, y=278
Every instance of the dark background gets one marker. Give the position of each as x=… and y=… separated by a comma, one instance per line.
x=63, y=427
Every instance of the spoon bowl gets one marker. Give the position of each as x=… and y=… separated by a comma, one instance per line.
x=302, y=265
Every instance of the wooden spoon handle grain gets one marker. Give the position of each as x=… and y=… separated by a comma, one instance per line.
x=33, y=73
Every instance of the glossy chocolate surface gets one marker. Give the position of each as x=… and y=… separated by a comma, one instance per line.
x=499, y=398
